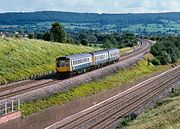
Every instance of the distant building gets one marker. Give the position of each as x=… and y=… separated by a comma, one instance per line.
x=16, y=33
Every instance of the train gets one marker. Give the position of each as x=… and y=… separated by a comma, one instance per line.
x=67, y=66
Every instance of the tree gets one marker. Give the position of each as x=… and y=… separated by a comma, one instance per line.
x=107, y=43
x=85, y=42
x=31, y=36
x=164, y=58
x=46, y=36
x=58, y=32
x=155, y=61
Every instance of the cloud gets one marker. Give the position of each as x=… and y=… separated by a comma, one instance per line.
x=97, y=6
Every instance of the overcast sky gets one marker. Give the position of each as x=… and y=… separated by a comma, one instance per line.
x=96, y=6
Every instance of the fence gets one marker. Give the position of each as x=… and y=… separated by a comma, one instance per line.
x=9, y=106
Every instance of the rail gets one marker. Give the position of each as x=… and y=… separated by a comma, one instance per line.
x=107, y=112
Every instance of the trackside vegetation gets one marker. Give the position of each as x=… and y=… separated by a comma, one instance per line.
x=142, y=69
x=166, y=50
x=24, y=58
x=165, y=115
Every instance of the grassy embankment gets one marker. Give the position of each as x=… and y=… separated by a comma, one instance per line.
x=165, y=115
x=24, y=58
x=141, y=70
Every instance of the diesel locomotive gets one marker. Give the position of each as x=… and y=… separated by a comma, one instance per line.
x=80, y=63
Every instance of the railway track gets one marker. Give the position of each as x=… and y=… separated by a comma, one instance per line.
x=9, y=90
x=109, y=111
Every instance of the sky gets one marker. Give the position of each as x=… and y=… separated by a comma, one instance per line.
x=91, y=6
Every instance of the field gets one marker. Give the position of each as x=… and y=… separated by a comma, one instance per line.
x=24, y=58
x=166, y=28
x=142, y=69
x=161, y=27
x=165, y=115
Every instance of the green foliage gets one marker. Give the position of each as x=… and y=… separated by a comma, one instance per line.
x=119, y=79
x=25, y=58
x=108, y=44
x=164, y=58
x=126, y=120
x=47, y=36
x=115, y=40
x=155, y=61
x=56, y=34
x=85, y=42
x=120, y=19
x=167, y=49
x=31, y=36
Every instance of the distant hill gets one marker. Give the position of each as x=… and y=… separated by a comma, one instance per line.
x=50, y=16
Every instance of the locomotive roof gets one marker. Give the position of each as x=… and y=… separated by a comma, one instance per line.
x=76, y=56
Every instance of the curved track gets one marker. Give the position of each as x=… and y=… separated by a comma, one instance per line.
x=106, y=113
x=10, y=90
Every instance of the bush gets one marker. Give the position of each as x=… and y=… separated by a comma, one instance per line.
x=164, y=58
x=85, y=42
x=166, y=50
x=155, y=61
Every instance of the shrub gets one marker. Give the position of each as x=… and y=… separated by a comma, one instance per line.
x=155, y=61
x=85, y=42
x=164, y=58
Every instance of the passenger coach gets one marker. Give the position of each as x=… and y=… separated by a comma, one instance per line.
x=114, y=55
x=100, y=58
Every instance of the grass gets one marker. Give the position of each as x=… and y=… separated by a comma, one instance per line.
x=165, y=115
x=24, y=58
x=142, y=69
x=125, y=50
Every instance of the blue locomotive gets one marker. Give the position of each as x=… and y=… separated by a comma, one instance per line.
x=79, y=63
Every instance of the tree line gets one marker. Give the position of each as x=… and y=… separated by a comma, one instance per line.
x=57, y=33
x=51, y=16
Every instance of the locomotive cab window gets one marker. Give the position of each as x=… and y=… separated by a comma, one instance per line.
x=63, y=63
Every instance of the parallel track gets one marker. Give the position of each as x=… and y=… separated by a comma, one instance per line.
x=106, y=113
x=20, y=88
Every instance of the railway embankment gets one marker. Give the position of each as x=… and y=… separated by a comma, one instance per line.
x=165, y=114
x=56, y=113
x=24, y=58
